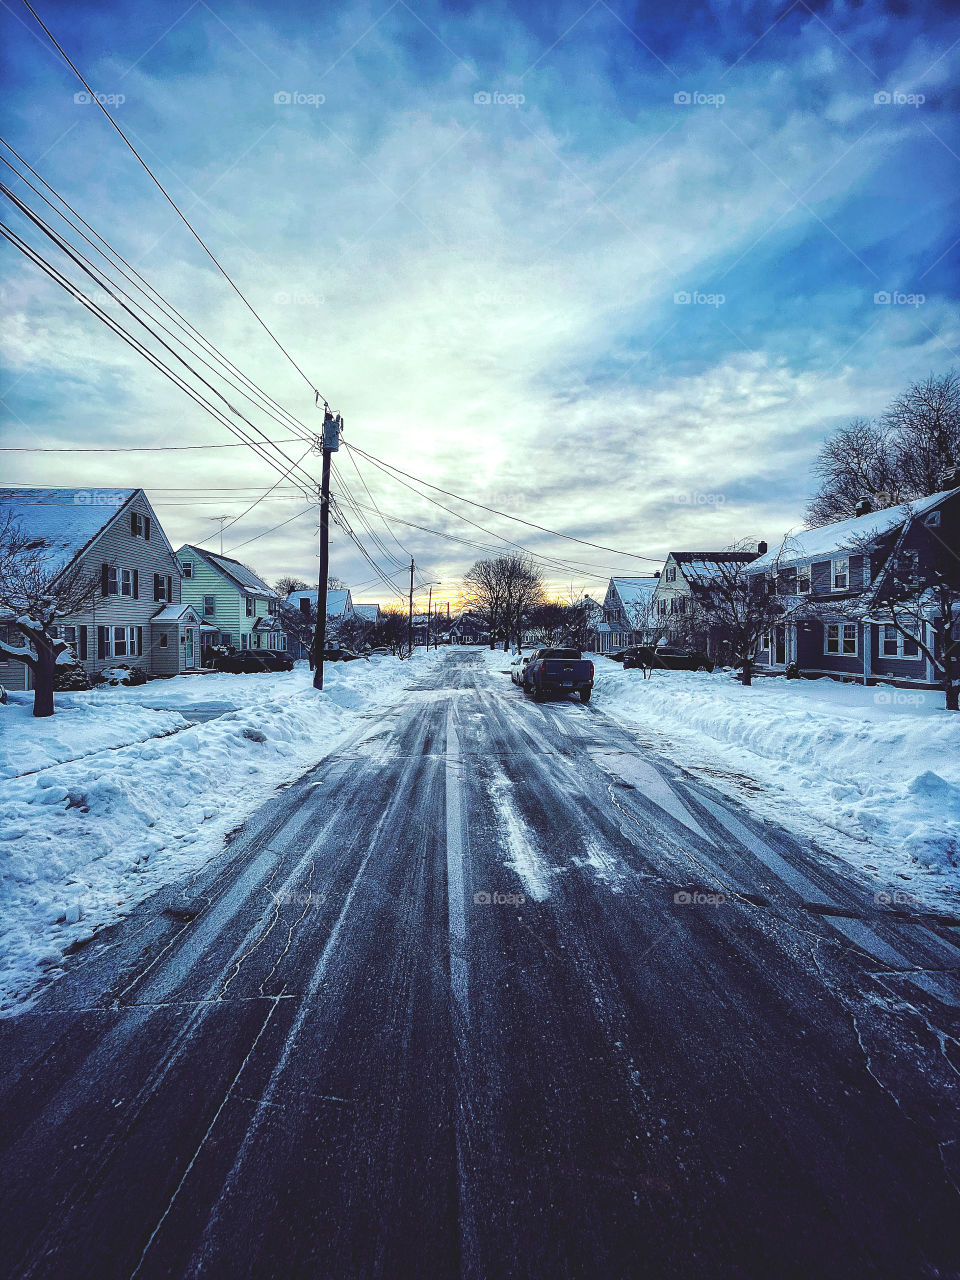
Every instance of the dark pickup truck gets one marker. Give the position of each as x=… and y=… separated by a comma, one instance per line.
x=558, y=671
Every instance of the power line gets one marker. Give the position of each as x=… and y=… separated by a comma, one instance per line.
x=230, y=550
x=494, y=511
x=173, y=203
x=145, y=448
x=97, y=277
x=138, y=346
x=155, y=298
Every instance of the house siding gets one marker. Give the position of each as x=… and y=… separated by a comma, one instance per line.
x=230, y=610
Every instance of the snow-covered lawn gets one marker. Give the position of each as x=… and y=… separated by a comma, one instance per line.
x=136, y=804
x=872, y=774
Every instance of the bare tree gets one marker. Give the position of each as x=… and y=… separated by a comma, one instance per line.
x=283, y=586
x=37, y=596
x=742, y=606
x=857, y=462
x=391, y=630
x=484, y=595
x=925, y=424
x=522, y=590
x=905, y=455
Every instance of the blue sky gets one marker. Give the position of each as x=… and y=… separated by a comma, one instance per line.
x=491, y=291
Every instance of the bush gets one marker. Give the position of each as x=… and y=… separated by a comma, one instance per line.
x=70, y=676
x=121, y=673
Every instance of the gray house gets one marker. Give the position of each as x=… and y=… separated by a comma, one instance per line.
x=115, y=537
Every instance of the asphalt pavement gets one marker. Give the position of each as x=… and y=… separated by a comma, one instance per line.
x=494, y=991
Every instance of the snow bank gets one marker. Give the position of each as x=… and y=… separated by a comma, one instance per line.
x=872, y=773
x=78, y=729
x=81, y=843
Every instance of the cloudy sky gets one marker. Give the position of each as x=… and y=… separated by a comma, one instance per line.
x=614, y=268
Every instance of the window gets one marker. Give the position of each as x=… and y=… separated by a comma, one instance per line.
x=225, y=637
x=671, y=573
x=273, y=607
x=162, y=587
x=140, y=525
x=119, y=582
x=187, y=567
x=244, y=641
x=678, y=604
x=841, y=575
x=305, y=605
x=803, y=580
x=894, y=644
x=120, y=642
x=251, y=606
x=841, y=638
x=163, y=640
x=209, y=606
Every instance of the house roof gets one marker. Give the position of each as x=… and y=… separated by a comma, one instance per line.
x=67, y=520
x=267, y=624
x=338, y=599
x=233, y=570
x=174, y=612
x=370, y=612
x=635, y=590
x=809, y=544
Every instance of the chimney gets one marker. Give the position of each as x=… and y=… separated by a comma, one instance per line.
x=761, y=548
x=864, y=507
x=657, y=573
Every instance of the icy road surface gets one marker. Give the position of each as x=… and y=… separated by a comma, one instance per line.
x=493, y=991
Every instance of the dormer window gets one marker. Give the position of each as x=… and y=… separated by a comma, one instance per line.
x=841, y=575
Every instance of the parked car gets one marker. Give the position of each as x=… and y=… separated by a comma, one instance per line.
x=274, y=660
x=336, y=654
x=245, y=662
x=560, y=671
x=665, y=658
x=518, y=667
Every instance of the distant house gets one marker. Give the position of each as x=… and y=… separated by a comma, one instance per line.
x=237, y=609
x=339, y=609
x=137, y=617
x=621, y=618
x=829, y=578
x=468, y=628
x=367, y=613
x=673, y=611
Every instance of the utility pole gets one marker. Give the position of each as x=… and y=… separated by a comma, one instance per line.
x=429, y=611
x=332, y=427
x=410, y=615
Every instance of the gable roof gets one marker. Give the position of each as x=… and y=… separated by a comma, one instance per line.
x=635, y=590
x=235, y=572
x=846, y=535
x=370, y=612
x=175, y=613
x=67, y=520
x=339, y=603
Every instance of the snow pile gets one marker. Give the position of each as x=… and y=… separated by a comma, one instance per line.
x=79, y=728
x=81, y=843
x=878, y=767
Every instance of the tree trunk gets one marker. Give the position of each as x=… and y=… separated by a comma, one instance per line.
x=43, y=682
x=747, y=677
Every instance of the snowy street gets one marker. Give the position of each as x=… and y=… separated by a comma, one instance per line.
x=495, y=989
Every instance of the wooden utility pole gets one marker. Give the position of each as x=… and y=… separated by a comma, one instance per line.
x=410, y=615
x=429, y=610
x=331, y=442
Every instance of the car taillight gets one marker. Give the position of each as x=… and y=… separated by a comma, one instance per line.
x=591, y=670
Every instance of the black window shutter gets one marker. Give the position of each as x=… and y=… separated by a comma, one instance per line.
x=146, y=527
x=105, y=579
x=101, y=642
x=82, y=643
x=139, y=642
x=136, y=584
x=133, y=523
x=169, y=589
x=157, y=594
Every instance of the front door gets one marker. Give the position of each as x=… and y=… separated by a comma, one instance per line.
x=188, y=654
x=781, y=646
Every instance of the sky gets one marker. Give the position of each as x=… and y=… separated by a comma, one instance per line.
x=614, y=268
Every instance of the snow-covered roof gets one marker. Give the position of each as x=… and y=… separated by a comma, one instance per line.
x=369, y=612
x=844, y=535
x=635, y=590
x=174, y=612
x=267, y=624
x=67, y=520
x=338, y=600
x=238, y=573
